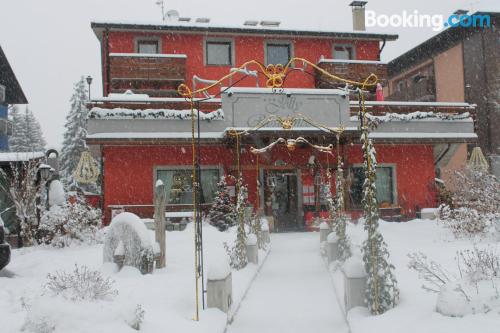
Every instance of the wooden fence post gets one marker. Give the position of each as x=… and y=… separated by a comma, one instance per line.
x=160, y=221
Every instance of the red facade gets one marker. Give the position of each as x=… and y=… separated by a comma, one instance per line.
x=130, y=165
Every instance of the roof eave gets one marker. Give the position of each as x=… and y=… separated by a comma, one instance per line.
x=99, y=26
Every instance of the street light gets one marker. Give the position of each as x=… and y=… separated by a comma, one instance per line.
x=44, y=170
x=89, y=82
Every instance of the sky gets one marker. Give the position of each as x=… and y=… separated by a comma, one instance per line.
x=49, y=43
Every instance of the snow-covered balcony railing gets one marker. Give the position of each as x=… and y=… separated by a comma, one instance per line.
x=381, y=108
x=133, y=101
x=357, y=70
x=157, y=75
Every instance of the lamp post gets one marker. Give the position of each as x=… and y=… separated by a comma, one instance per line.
x=89, y=82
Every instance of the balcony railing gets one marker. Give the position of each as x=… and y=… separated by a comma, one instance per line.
x=356, y=70
x=157, y=75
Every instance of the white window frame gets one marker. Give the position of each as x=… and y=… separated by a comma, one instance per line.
x=230, y=41
x=288, y=43
x=353, y=48
x=139, y=39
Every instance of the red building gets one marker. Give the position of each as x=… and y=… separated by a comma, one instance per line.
x=142, y=127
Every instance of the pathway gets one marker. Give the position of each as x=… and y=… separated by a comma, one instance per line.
x=293, y=292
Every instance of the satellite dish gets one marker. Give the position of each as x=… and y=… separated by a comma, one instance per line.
x=172, y=15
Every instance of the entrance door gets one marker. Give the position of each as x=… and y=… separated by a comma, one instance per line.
x=281, y=198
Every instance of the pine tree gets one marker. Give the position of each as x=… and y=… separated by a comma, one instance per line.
x=27, y=134
x=17, y=141
x=76, y=132
x=222, y=214
x=382, y=292
x=36, y=141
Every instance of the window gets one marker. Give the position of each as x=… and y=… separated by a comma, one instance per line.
x=218, y=53
x=384, y=184
x=343, y=52
x=178, y=185
x=401, y=85
x=148, y=46
x=278, y=53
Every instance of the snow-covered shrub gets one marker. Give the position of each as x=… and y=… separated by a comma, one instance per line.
x=473, y=290
x=70, y=222
x=136, y=245
x=81, y=284
x=137, y=319
x=255, y=227
x=222, y=214
x=38, y=324
x=475, y=210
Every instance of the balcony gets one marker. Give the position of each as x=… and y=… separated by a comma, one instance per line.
x=356, y=70
x=157, y=75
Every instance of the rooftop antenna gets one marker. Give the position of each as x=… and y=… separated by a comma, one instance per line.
x=162, y=5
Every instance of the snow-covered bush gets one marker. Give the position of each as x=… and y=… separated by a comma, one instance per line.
x=222, y=214
x=79, y=285
x=475, y=209
x=70, y=222
x=137, y=319
x=255, y=227
x=473, y=290
x=129, y=234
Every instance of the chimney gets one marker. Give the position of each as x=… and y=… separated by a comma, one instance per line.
x=358, y=15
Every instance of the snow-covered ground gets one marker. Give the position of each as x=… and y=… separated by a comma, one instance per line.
x=167, y=295
x=416, y=311
x=292, y=293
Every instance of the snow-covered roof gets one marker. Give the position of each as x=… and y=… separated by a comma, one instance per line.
x=231, y=26
x=302, y=91
x=423, y=104
x=421, y=135
x=20, y=156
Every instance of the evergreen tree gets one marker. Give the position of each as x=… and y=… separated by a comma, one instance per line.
x=27, y=134
x=382, y=291
x=76, y=132
x=17, y=141
x=222, y=214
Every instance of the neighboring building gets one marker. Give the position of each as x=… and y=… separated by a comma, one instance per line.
x=10, y=93
x=457, y=65
x=144, y=134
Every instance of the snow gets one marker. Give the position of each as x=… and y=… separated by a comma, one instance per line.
x=219, y=267
x=141, y=98
x=154, y=135
x=251, y=239
x=56, y=193
x=120, y=249
x=264, y=224
x=148, y=55
x=20, y=156
x=403, y=103
x=292, y=293
x=416, y=311
x=354, y=267
x=159, y=182
x=167, y=295
x=347, y=61
x=1, y=222
x=134, y=222
x=417, y=116
x=298, y=91
x=429, y=210
x=171, y=114
x=332, y=238
x=324, y=226
x=421, y=135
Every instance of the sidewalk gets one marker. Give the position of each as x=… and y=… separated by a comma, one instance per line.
x=293, y=292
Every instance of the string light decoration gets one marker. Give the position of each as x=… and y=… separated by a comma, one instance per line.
x=86, y=172
x=275, y=79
